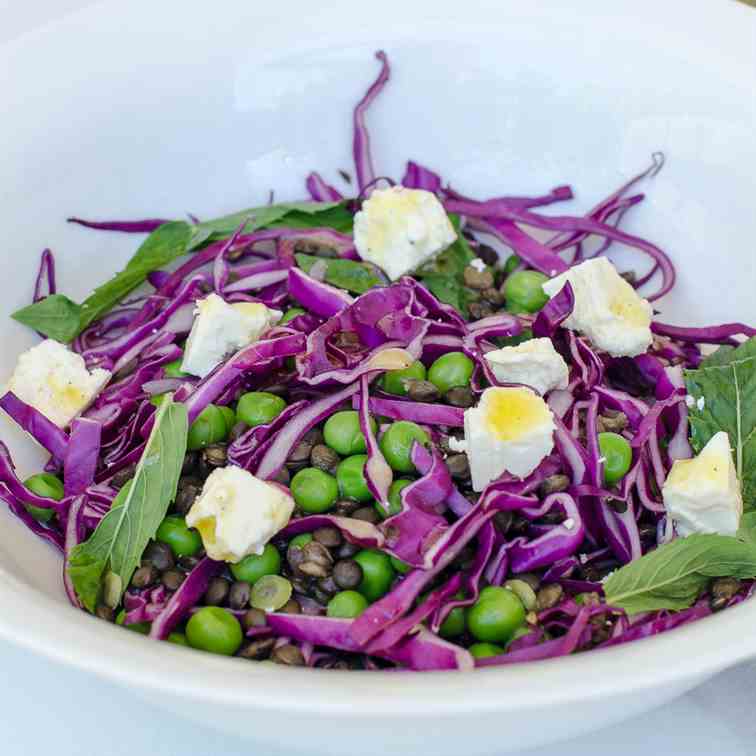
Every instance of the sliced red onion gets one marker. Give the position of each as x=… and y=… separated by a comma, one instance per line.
x=418, y=177
x=320, y=191
x=42, y=430
x=146, y=226
x=363, y=159
x=292, y=433
x=44, y=284
x=417, y=412
x=318, y=297
x=717, y=334
x=378, y=473
x=359, y=532
x=257, y=280
x=10, y=480
x=80, y=461
x=73, y=537
x=554, y=312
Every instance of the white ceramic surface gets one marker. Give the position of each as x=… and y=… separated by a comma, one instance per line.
x=137, y=111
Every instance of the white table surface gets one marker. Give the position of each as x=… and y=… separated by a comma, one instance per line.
x=47, y=708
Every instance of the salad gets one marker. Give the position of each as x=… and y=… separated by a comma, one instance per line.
x=393, y=427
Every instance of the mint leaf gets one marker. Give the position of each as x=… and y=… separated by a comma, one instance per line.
x=672, y=576
x=450, y=291
x=747, y=529
x=346, y=274
x=60, y=318
x=55, y=316
x=728, y=388
x=106, y=561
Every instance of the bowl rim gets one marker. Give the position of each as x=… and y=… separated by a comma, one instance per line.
x=48, y=626
x=67, y=635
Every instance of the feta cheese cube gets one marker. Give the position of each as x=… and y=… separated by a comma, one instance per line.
x=511, y=430
x=237, y=514
x=702, y=495
x=607, y=309
x=220, y=329
x=534, y=363
x=399, y=229
x=55, y=381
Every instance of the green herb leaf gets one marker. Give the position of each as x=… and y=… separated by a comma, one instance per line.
x=60, y=318
x=105, y=562
x=728, y=388
x=747, y=529
x=56, y=316
x=346, y=274
x=672, y=576
x=450, y=291
x=289, y=215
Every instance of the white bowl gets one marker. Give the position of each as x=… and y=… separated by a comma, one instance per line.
x=155, y=109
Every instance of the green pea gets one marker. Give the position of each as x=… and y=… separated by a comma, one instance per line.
x=270, y=593
x=259, y=408
x=301, y=540
x=143, y=628
x=524, y=290
x=347, y=605
x=394, y=499
x=158, y=399
x=484, y=650
x=253, y=567
x=47, y=485
x=396, y=444
x=229, y=416
x=496, y=615
x=342, y=433
x=173, y=369
x=350, y=475
x=618, y=456
x=401, y=567
x=393, y=380
x=377, y=573
x=215, y=630
x=450, y=371
x=209, y=428
x=454, y=624
x=183, y=540
x=314, y=491
x=178, y=638
x=511, y=263
x=290, y=314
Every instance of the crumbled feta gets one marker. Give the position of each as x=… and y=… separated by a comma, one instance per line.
x=457, y=444
x=511, y=430
x=607, y=309
x=534, y=363
x=54, y=380
x=399, y=229
x=237, y=514
x=478, y=264
x=702, y=495
x=220, y=329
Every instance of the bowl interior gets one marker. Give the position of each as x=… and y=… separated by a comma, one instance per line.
x=159, y=111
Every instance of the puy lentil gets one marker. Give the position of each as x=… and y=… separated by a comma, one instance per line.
x=189, y=488
x=480, y=310
x=188, y=563
x=313, y=437
x=348, y=341
x=217, y=592
x=282, y=477
x=316, y=561
x=159, y=555
x=329, y=537
x=347, y=550
x=172, y=579
x=237, y=431
x=611, y=421
x=458, y=465
x=554, y=484
x=238, y=594
x=367, y=514
x=460, y=396
x=328, y=585
x=503, y=521
x=722, y=590
x=549, y=596
x=493, y=296
x=123, y=476
x=300, y=455
x=253, y=618
x=488, y=254
x=291, y=607
x=190, y=463
x=105, y=613
x=477, y=279
x=324, y=458
x=345, y=507
x=289, y=655
x=144, y=577
x=259, y=648
x=211, y=457
x=422, y=391
x=531, y=579
x=619, y=506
